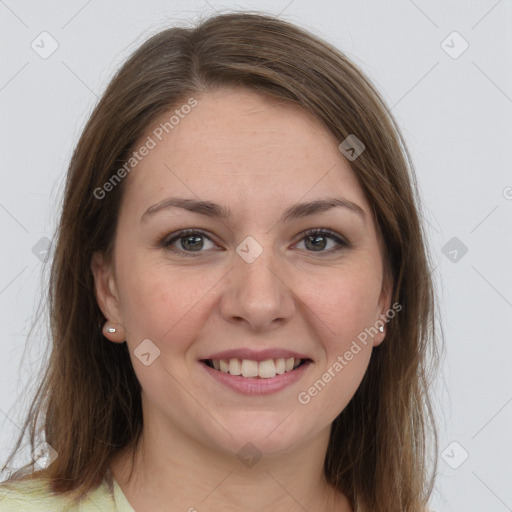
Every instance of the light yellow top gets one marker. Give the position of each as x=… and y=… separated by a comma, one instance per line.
x=35, y=496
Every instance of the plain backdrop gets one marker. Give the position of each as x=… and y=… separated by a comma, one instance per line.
x=445, y=69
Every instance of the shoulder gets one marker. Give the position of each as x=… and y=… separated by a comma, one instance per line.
x=27, y=495
x=35, y=495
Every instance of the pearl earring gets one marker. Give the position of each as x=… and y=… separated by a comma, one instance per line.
x=110, y=329
x=114, y=332
x=381, y=328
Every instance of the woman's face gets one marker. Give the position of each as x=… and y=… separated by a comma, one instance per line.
x=247, y=280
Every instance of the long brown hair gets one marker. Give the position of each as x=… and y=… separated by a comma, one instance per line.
x=88, y=405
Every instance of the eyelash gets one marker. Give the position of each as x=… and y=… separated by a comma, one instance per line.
x=167, y=242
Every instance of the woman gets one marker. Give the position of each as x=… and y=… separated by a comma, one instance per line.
x=241, y=305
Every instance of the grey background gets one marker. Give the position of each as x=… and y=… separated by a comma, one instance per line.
x=456, y=116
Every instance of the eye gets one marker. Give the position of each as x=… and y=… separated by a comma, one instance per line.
x=189, y=240
x=317, y=240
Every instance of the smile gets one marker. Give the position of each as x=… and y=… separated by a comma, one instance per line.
x=250, y=377
x=266, y=369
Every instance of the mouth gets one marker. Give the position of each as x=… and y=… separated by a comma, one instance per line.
x=252, y=369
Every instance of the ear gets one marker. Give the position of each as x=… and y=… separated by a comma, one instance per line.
x=107, y=297
x=384, y=306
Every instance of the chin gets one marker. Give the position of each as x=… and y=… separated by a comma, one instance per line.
x=268, y=433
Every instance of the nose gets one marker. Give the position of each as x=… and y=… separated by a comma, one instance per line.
x=257, y=294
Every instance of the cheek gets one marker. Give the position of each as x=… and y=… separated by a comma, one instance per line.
x=163, y=303
x=342, y=309
x=345, y=303
x=332, y=387
x=342, y=314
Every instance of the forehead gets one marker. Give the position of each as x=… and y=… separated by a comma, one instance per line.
x=239, y=147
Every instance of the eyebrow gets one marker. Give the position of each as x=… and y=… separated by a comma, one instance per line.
x=214, y=210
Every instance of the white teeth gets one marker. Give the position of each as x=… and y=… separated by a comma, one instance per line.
x=263, y=369
x=249, y=368
x=235, y=367
x=267, y=369
x=280, y=366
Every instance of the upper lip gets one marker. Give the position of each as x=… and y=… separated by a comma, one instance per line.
x=255, y=355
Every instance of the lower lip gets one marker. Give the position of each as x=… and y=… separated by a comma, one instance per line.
x=256, y=385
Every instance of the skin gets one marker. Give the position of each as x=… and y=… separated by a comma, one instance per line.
x=256, y=156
